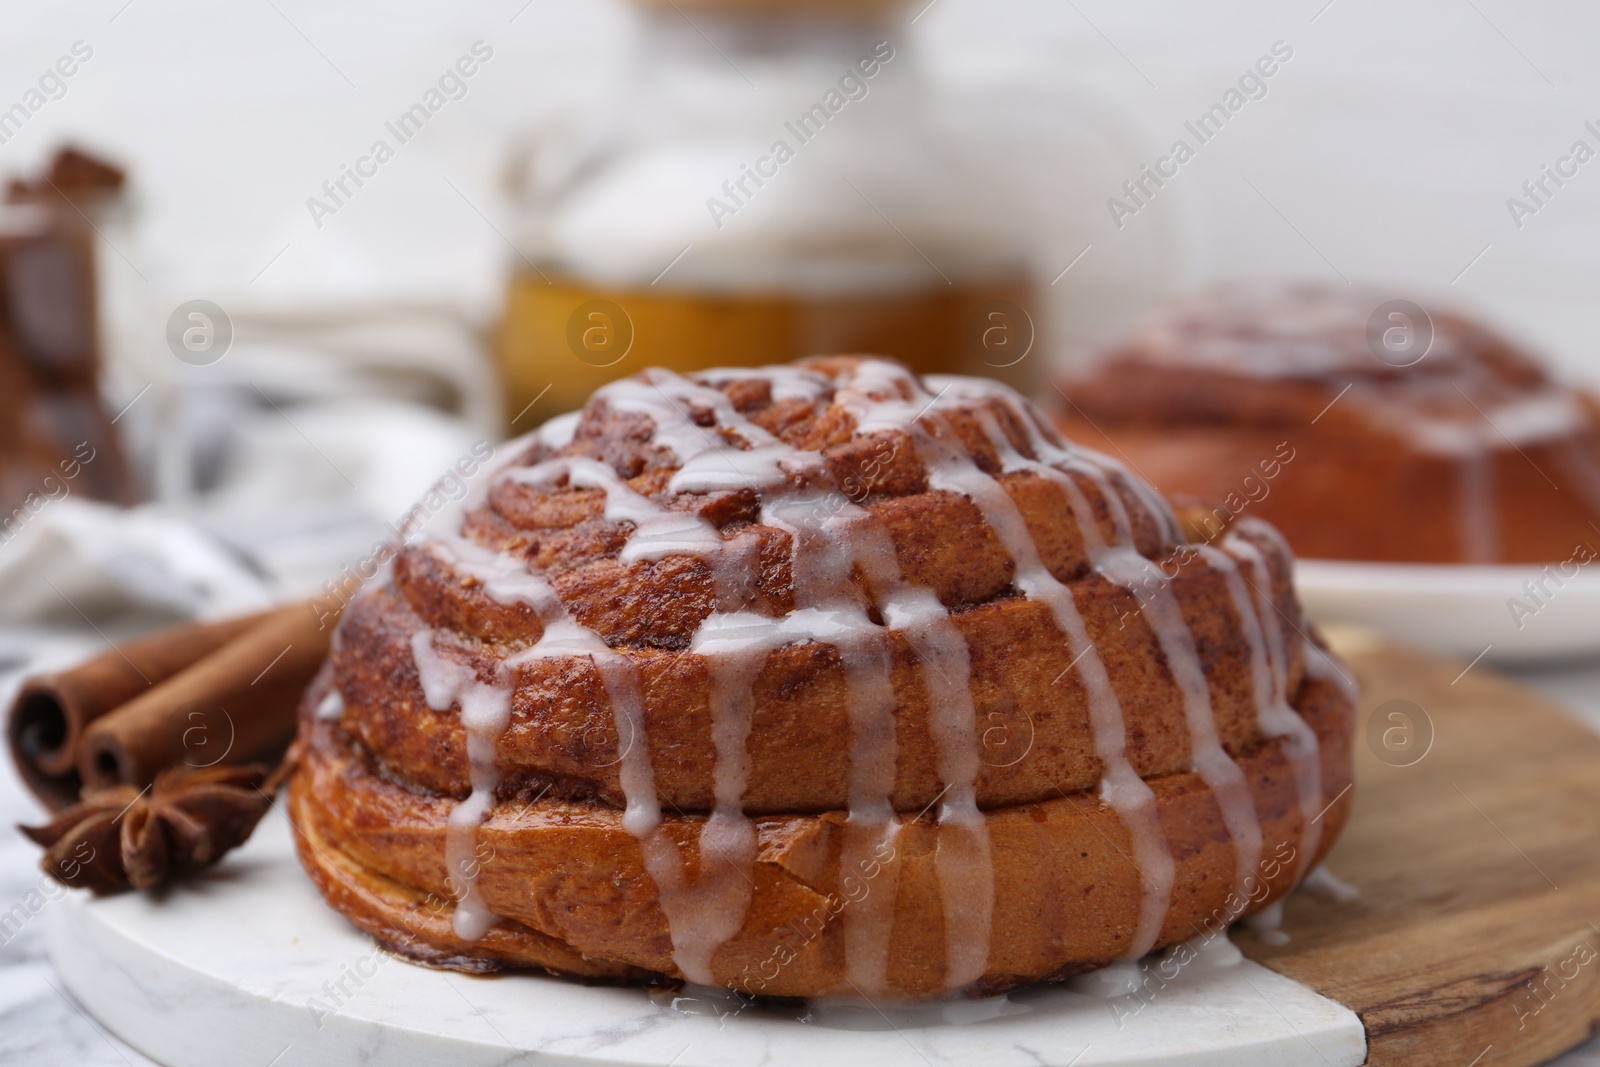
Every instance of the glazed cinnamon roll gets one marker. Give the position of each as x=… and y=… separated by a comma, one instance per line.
x=1362, y=429
x=818, y=679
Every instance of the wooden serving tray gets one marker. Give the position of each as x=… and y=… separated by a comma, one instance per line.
x=1475, y=842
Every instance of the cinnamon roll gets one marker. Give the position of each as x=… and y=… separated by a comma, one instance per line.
x=817, y=679
x=1361, y=429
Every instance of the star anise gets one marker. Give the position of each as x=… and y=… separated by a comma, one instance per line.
x=187, y=819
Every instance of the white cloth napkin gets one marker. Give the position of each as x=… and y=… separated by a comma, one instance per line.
x=79, y=560
x=298, y=492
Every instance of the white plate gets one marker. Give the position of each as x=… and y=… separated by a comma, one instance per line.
x=248, y=966
x=1519, y=614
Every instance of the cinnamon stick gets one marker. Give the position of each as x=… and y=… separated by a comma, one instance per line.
x=236, y=705
x=45, y=726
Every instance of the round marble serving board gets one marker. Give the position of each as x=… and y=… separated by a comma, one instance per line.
x=248, y=966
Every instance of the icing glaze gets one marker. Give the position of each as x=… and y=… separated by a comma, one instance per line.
x=703, y=867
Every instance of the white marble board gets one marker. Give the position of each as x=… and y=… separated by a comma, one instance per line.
x=248, y=966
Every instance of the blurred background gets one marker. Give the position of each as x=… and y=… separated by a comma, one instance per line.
x=302, y=257
x=339, y=245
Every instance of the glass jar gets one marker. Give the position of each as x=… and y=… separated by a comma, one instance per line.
x=773, y=183
x=56, y=437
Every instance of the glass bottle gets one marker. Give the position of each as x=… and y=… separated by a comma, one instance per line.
x=56, y=438
x=773, y=183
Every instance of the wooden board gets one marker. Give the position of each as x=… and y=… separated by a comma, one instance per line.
x=1476, y=938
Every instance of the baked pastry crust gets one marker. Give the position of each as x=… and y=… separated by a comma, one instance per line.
x=1471, y=454
x=566, y=874
x=787, y=682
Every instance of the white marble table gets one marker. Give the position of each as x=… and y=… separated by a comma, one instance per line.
x=42, y=1026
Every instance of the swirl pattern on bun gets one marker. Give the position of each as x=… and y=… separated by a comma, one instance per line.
x=813, y=680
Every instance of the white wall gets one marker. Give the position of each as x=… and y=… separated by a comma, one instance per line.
x=1390, y=141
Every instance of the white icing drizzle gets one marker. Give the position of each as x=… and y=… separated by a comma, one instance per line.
x=1216, y=768
x=658, y=532
x=734, y=643
x=945, y=672
x=1122, y=564
x=831, y=541
x=822, y=527
x=486, y=706
x=829, y=538
x=1054, y=453
x=1322, y=667
x=485, y=710
x=1464, y=405
x=506, y=579
x=1178, y=963
x=1212, y=951
x=1122, y=978
x=1121, y=788
x=1325, y=883
x=331, y=707
x=1267, y=923
x=1546, y=415
x=880, y=397
x=557, y=432
x=1476, y=441
x=1477, y=520
x=1263, y=631
x=786, y=383
x=1159, y=607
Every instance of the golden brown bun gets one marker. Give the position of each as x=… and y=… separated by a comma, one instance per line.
x=571, y=883
x=1471, y=454
x=561, y=730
